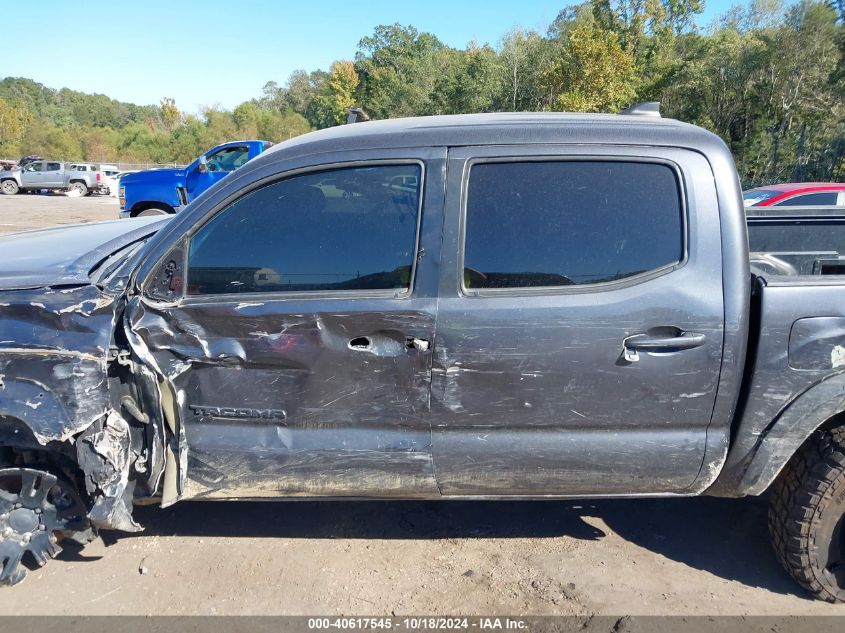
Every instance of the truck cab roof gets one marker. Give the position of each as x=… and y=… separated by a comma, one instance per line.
x=501, y=129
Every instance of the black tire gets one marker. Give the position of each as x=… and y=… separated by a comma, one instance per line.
x=79, y=186
x=807, y=516
x=9, y=187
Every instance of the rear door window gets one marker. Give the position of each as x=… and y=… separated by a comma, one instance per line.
x=537, y=224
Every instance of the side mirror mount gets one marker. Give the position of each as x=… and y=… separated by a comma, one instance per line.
x=203, y=165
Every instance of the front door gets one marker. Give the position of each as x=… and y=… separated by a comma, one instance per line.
x=580, y=325
x=300, y=351
x=32, y=176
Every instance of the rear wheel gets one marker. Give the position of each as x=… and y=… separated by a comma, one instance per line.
x=807, y=516
x=9, y=187
x=80, y=187
x=37, y=508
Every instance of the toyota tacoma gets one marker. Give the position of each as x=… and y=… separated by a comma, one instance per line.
x=547, y=306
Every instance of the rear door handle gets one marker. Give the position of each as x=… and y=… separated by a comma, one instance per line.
x=665, y=341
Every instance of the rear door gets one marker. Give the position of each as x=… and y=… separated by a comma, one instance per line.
x=580, y=324
x=54, y=175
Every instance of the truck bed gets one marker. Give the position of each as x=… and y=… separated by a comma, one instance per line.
x=797, y=338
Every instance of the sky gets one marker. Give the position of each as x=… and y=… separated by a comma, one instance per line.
x=221, y=53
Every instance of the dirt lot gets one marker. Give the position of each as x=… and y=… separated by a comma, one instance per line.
x=683, y=556
x=25, y=212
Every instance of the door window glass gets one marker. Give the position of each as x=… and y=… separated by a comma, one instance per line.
x=343, y=229
x=818, y=199
x=228, y=159
x=539, y=224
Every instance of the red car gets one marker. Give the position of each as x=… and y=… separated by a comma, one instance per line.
x=799, y=194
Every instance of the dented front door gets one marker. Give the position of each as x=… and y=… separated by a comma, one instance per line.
x=299, y=354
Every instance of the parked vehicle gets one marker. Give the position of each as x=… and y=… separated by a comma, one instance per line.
x=477, y=306
x=48, y=174
x=91, y=177
x=807, y=194
x=112, y=178
x=165, y=191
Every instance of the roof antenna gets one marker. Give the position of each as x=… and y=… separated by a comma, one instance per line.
x=647, y=108
x=356, y=115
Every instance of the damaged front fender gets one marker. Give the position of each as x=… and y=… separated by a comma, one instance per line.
x=54, y=379
x=104, y=453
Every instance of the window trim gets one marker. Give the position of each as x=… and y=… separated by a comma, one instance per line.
x=246, y=297
x=605, y=286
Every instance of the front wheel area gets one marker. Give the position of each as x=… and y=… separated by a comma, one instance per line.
x=807, y=516
x=37, y=509
x=9, y=187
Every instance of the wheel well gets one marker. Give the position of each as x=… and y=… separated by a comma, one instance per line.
x=837, y=420
x=18, y=447
x=17, y=437
x=143, y=206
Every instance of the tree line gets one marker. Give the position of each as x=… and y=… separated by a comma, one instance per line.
x=768, y=77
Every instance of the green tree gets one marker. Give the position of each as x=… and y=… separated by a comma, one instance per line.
x=337, y=94
x=594, y=74
x=525, y=58
x=170, y=115
x=246, y=117
x=467, y=81
x=281, y=126
x=14, y=120
x=49, y=140
x=398, y=67
x=99, y=144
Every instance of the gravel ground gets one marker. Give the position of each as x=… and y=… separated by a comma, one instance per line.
x=29, y=211
x=680, y=556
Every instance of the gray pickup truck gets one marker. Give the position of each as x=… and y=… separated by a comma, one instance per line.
x=49, y=174
x=484, y=306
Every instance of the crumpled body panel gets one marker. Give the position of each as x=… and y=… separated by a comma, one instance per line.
x=54, y=356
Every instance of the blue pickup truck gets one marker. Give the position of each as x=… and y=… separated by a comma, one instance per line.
x=164, y=191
